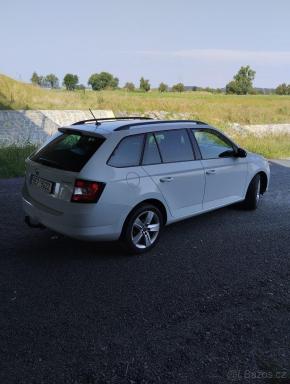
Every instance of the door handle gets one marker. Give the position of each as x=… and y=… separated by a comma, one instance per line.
x=166, y=179
x=210, y=172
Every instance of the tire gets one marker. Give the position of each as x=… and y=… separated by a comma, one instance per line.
x=142, y=229
x=253, y=196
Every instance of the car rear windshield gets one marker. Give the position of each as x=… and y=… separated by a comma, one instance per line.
x=70, y=151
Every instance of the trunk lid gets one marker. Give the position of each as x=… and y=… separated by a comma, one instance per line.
x=48, y=186
x=52, y=171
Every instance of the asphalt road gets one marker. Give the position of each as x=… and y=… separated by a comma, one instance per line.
x=210, y=304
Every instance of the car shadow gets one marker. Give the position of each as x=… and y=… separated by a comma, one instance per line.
x=46, y=245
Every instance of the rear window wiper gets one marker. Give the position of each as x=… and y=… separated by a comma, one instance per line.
x=49, y=162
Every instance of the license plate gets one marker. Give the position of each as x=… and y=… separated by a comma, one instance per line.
x=39, y=182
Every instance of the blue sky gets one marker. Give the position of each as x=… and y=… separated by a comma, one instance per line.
x=196, y=42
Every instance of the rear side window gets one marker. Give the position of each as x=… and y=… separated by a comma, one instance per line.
x=151, y=153
x=174, y=146
x=70, y=151
x=128, y=152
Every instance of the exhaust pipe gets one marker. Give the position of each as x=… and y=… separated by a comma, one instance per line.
x=33, y=223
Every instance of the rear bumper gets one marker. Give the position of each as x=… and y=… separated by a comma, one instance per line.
x=72, y=225
x=31, y=223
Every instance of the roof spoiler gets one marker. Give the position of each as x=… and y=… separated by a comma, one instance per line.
x=73, y=131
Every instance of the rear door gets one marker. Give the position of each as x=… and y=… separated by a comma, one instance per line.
x=225, y=177
x=169, y=160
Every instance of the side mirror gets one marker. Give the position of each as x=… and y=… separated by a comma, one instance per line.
x=229, y=153
x=241, y=152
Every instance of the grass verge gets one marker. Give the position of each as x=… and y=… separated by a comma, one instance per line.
x=270, y=146
x=12, y=160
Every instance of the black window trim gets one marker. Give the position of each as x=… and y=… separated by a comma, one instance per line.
x=143, y=149
x=194, y=145
x=116, y=147
x=194, y=154
x=219, y=134
x=145, y=141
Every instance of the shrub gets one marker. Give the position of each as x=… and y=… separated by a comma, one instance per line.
x=103, y=80
x=179, y=87
x=129, y=86
x=70, y=81
x=12, y=160
x=40, y=80
x=163, y=87
x=144, y=84
x=283, y=89
x=35, y=79
x=52, y=80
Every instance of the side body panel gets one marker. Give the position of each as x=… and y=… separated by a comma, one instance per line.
x=225, y=181
x=182, y=185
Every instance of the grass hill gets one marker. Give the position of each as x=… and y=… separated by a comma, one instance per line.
x=217, y=109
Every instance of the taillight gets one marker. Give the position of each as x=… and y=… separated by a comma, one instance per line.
x=87, y=191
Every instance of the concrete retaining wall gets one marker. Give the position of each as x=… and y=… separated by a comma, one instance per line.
x=23, y=127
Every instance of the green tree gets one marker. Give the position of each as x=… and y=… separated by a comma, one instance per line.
x=103, y=80
x=144, y=84
x=233, y=88
x=163, y=87
x=70, y=81
x=283, y=89
x=179, y=87
x=52, y=80
x=242, y=84
x=35, y=79
x=129, y=86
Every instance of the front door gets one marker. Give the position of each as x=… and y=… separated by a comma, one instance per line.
x=225, y=177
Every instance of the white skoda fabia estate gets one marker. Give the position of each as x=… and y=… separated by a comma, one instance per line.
x=126, y=178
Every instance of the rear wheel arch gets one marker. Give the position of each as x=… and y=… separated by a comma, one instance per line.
x=157, y=203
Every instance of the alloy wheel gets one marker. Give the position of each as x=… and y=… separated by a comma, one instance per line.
x=145, y=229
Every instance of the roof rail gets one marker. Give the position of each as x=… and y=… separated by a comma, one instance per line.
x=128, y=126
x=98, y=121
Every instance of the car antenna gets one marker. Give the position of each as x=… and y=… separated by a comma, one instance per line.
x=92, y=113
